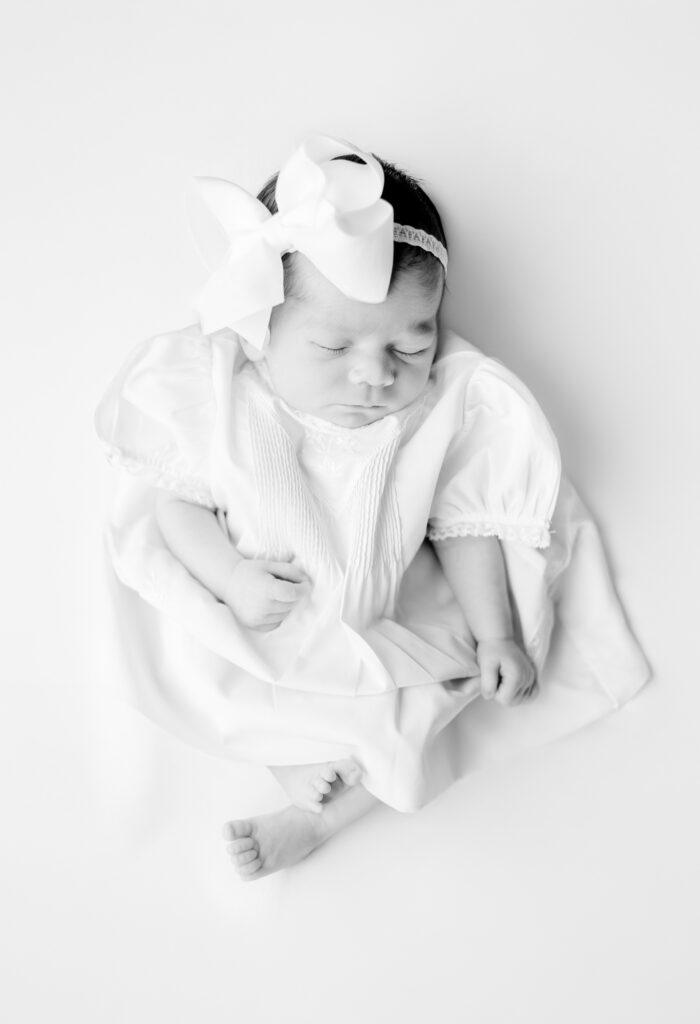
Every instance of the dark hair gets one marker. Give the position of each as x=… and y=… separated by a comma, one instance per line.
x=412, y=207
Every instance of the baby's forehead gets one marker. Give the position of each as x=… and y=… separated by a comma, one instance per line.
x=409, y=306
x=348, y=317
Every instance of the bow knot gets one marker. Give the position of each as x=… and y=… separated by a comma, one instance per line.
x=278, y=234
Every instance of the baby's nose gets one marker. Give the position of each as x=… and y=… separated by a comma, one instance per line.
x=375, y=372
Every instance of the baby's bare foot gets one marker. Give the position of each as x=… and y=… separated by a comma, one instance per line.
x=259, y=846
x=307, y=784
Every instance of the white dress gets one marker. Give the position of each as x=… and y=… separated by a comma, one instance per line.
x=377, y=661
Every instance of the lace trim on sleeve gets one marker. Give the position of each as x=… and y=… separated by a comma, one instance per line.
x=534, y=534
x=188, y=488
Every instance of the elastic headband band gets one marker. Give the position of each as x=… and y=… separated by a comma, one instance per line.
x=421, y=239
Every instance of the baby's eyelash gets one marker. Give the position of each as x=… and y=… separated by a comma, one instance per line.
x=398, y=351
x=326, y=349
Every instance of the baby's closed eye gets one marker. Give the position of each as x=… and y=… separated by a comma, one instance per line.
x=397, y=351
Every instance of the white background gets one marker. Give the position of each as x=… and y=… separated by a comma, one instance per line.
x=559, y=140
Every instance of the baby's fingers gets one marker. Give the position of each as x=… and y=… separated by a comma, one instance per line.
x=489, y=680
x=286, y=571
x=515, y=681
x=508, y=692
x=532, y=692
x=284, y=592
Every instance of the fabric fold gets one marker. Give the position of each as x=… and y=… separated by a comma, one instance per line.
x=376, y=660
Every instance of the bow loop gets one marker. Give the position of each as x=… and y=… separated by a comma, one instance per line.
x=328, y=209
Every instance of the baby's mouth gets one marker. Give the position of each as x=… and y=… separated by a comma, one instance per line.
x=359, y=405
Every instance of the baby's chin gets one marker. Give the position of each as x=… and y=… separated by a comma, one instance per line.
x=354, y=415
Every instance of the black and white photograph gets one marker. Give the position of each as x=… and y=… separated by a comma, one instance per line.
x=352, y=456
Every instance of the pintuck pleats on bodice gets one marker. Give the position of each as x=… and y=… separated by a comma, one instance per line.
x=332, y=507
x=325, y=495
x=325, y=498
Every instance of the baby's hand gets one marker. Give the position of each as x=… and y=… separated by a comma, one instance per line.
x=261, y=593
x=507, y=674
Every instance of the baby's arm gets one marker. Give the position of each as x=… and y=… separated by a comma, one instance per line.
x=259, y=592
x=475, y=570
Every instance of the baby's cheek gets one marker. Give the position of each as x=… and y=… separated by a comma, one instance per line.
x=334, y=374
x=415, y=377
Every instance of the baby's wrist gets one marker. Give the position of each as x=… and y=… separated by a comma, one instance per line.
x=229, y=586
x=497, y=646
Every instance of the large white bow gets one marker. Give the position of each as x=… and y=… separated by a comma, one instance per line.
x=329, y=210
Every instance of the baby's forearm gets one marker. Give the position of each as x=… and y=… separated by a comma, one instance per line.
x=195, y=538
x=476, y=572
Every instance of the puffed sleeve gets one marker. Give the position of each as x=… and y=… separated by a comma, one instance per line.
x=501, y=473
x=156, y=418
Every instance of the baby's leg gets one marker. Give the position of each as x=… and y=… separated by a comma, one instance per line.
x=307, y=784
x=259, y=846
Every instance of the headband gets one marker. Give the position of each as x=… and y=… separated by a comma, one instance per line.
x=329, y=210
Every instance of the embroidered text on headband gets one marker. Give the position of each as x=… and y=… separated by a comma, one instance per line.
x=329, y=210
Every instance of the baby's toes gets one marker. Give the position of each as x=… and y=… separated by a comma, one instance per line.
x=237, y=829
x=241, y=859
x=321, y=785
x=311, y=803
x=242, y=852
x=241, y=846
x=250, y=870
x=349, y=771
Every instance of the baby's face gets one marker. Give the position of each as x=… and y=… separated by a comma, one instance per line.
x=351, y=362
